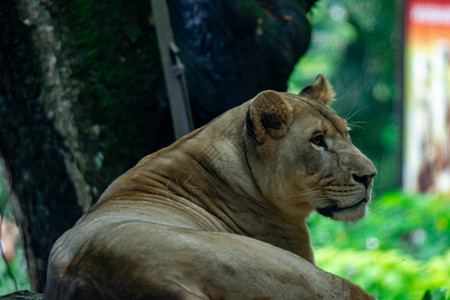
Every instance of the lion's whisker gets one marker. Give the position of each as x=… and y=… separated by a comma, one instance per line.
x=356, y=112
x=351, y=110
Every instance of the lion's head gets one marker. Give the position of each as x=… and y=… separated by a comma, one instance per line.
x=304, y=158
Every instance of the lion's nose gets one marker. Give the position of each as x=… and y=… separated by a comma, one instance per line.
x=365, y=179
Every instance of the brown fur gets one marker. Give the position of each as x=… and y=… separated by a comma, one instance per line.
x=321, y=90
x=220, y=214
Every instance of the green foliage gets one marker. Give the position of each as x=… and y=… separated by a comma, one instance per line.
x=18, y=265
x=418, y=225
x=387, y=274
x=399, y=251
x=354, y=45
x=18, y=269
x=439, y=294
x=330, y=39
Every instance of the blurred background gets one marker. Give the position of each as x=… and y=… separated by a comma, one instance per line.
x=388, y=61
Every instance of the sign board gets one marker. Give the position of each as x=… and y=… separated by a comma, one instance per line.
x=427, y=97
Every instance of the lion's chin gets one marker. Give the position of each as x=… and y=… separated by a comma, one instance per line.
x=346, y=214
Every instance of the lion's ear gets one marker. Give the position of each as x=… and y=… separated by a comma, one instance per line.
x=268, y=115
x=321, y=90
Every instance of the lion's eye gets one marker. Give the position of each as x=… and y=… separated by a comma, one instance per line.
x=319, y=140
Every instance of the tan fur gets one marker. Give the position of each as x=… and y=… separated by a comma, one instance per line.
x=270, y=106
x=320, y=90
x=220, y=214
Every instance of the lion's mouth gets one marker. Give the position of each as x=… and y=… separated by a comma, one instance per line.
x=330, y=210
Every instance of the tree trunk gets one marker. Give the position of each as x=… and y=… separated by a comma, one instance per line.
x=82, y=96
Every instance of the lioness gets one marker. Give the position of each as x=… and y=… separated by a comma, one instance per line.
x=220, y=214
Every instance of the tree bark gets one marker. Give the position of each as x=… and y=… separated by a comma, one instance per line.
x=22, y=295
x=82, y=95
